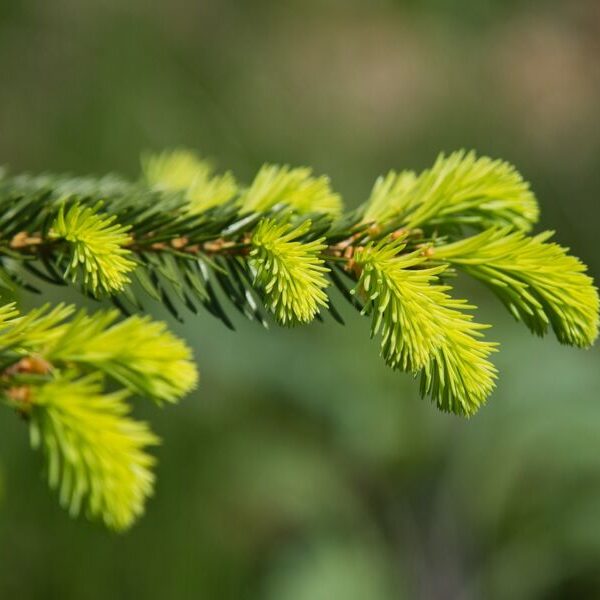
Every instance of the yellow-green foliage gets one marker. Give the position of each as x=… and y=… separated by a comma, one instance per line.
x=138, y=352
x=391, y=197
x=459, y=189
x=197, y=240
x=538, y=281
x=290, y=273
x=296, y=188
x=97, y=246
x=95, y=453
x=64, y=380
x=424, y=329
x=183, y=170
x=175, y=169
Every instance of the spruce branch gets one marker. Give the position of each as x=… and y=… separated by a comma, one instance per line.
x=288, y=272
x=296, y=188
x=139, y=353
x=96, y=455
x=97, y=247
x=423, y=329
x=192, y=238
x=538, y=281
x=460, y=189
x=61, y=375
x=184, y=171
x=391, y=197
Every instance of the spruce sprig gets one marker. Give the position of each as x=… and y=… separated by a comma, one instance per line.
x=289, y=272
x=296, y=188
x=537, y=280
x=423, y=329
x=194, y=239
x=97, y=246
x=184, y=171
x=139, y=353
x=61, y=375
x=96, y=454
x=459, y=189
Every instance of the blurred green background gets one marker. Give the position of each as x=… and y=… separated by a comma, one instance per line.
x=302, y=469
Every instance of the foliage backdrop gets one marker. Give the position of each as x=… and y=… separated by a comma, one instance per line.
x=302, y=468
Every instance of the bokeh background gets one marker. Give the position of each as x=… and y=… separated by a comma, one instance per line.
x=302, y=469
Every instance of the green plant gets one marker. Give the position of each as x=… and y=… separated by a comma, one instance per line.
x=188, y=237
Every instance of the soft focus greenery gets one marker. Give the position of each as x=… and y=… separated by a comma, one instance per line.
x=302, y=468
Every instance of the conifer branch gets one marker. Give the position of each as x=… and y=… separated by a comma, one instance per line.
x=184, y=171
x=459, y=189
x=539, y=282
x=192, y=238
x=61, y=375
x=295, y=188
x=423, y=328
x=96, y=455
x=98, y=252
x=288, y=272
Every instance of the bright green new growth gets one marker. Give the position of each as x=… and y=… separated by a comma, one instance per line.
x=289, y=272
x=391, y=197
x=95, y=453
x=423, y=328
x=537, y=281
x=182, y=170
x=62, y=376
x=295, y=188
x=138, y=353
x=460, y=189
x=195, y=240
x=97, y=245
x=175, y=169
x=400, y=299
